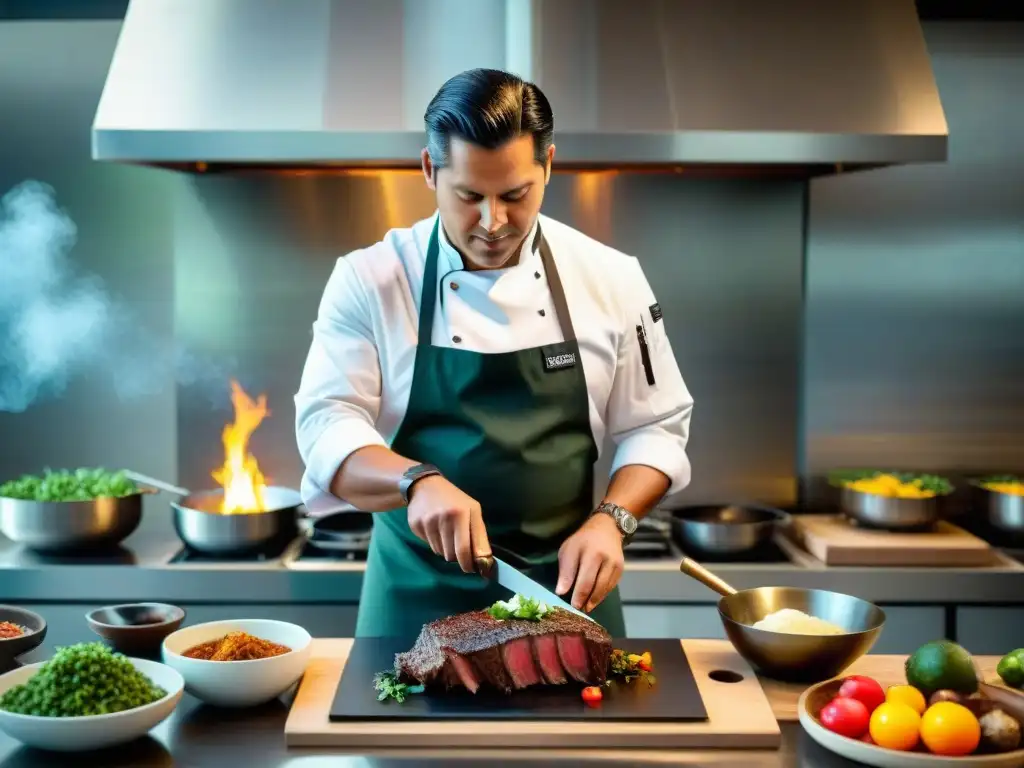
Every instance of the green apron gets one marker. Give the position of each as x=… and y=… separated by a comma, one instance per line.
x=512, y=430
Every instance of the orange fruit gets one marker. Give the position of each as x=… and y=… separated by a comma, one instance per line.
x=895, y=725
x=909, y=695
x=950, y=729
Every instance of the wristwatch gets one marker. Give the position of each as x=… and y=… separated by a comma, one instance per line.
x=413, y=474
x=622, y=517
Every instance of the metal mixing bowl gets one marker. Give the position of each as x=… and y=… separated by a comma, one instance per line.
x=891, y=513
x=70, y=525
x=791, y=657
x=1004, y=511
x=725, y=530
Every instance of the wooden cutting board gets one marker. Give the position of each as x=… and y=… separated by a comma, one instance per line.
x=739, y=715
x=834, y=540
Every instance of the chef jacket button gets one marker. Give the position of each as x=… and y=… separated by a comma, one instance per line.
x=453, y=285
x=541, y=312
x=457, y=339
x=537, y=275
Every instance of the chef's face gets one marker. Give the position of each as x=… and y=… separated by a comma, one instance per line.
x=488, y=198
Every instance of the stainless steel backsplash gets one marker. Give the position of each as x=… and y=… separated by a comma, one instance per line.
x=914, y=344
x=911, y=350
x=725, y=258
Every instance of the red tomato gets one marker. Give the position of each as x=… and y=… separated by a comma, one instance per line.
x=847, y=717
x=592, y=695
x=865, y=690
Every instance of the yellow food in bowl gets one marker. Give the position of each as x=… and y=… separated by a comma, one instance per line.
x=1015, y=488
x=890, y=485
x=793, y=622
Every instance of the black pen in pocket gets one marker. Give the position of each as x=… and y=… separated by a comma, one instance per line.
x=645, y=353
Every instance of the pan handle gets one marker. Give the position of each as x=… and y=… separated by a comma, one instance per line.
x=704, y=576
x=159, y=484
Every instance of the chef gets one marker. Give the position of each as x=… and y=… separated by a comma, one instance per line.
x=464, y=373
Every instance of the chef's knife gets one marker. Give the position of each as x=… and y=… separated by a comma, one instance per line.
x=495, y=569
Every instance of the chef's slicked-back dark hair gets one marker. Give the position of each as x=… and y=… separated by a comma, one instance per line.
x=487, y=107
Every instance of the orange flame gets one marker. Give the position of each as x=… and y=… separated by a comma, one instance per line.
x=240, y=477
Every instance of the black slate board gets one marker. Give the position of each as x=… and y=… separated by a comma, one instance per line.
x=673, y=697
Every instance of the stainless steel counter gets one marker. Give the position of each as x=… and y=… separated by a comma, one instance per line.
x=142, y=571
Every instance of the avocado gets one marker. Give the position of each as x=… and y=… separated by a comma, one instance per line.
x=941, y=665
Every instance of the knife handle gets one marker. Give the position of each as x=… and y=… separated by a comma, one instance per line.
x=485, y=566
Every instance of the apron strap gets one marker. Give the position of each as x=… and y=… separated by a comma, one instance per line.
x=428, y=298
x=555, y=286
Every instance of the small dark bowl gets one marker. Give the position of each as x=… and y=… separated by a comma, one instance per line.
x=35, y=632
x=136, y=628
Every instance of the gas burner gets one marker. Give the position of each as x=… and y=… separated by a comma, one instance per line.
x=310, y=557
x=310, y=551
x=189, y=556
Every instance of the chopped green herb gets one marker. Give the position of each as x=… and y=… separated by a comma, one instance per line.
x=388, y=686
x=64, y=485
x=520, y=607
x=627, y=667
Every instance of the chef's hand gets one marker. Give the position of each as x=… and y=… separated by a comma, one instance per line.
x=449, y=521
x=591, y=559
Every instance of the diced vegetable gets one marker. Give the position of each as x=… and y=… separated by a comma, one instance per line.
x=592, y=695
x=520, y=607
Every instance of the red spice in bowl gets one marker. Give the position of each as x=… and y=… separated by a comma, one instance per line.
x=9, y=630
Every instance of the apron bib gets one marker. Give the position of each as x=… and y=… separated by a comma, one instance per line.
x=513, y=431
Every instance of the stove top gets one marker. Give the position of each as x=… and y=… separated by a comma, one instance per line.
x=188, y=556
x=310, y=557
x=768, y=553
x=117, y=555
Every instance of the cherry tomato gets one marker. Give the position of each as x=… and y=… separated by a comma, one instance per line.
x=865, y=690
x=593, y=695
x=847, y=717
x=895, y=725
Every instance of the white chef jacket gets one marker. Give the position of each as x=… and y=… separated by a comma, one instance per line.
x=357, y=378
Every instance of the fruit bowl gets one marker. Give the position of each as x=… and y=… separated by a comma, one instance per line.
x=817, y=696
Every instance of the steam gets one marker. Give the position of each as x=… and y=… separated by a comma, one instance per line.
x=57, y=323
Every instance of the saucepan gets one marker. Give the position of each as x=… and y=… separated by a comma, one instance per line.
x=788, y=656
x=68, y=526
x=726, y=530
x=201, y=526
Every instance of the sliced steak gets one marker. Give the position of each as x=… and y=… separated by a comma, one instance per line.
x=474, y=649
x=545, y=648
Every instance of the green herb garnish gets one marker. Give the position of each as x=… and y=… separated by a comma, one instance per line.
x=519, y=607
x=388, y=686
x=64, y=485
x=940, y=486
x=627, y=667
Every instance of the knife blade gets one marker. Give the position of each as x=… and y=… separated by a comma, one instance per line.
x=518, y=583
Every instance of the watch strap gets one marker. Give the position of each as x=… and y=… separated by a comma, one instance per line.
x=412, y=475
x=624, y=519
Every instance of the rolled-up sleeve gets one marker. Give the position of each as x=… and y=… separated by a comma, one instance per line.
x=649, y=423
x=338, y=400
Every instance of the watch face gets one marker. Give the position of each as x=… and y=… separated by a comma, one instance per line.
x=627, y=522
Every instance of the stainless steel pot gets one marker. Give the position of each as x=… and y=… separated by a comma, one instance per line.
x=725, y=530
x=64, y=526
x=1004, y=511
x=890, y=513
x=791, y=657
x=200, y=524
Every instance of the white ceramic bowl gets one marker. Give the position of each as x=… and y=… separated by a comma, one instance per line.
x=74, y=734
x=239, y=683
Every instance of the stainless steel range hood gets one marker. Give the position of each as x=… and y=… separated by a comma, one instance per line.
x=723, y=84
